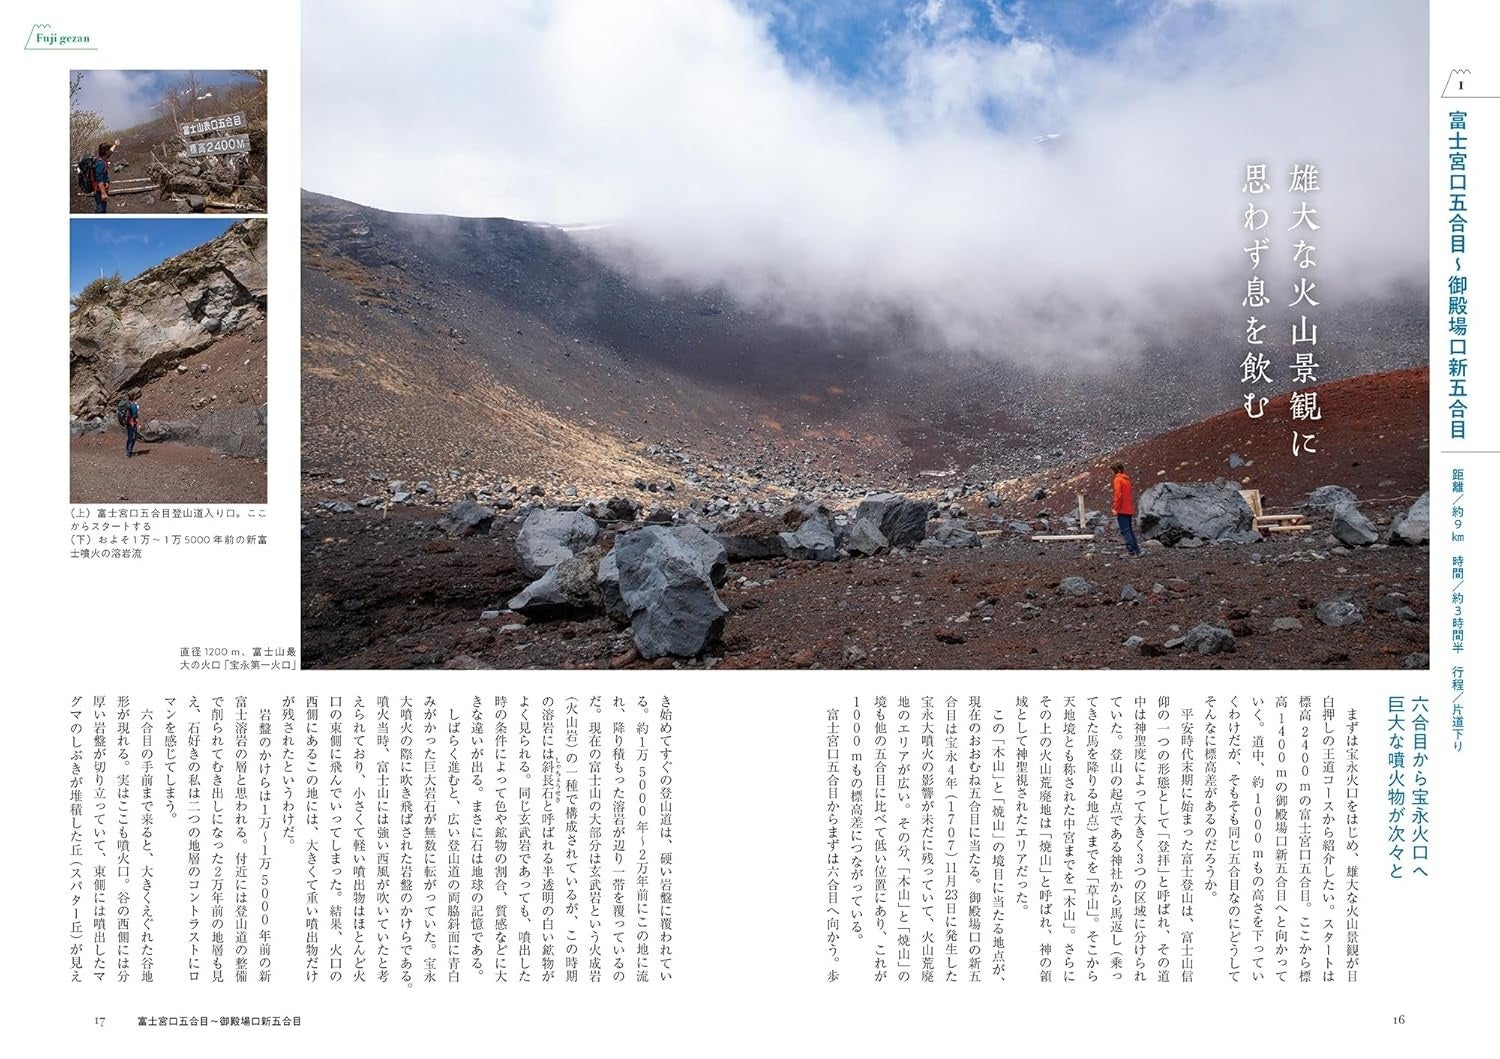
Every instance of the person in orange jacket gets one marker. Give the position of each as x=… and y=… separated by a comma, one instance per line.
x=1124, y=508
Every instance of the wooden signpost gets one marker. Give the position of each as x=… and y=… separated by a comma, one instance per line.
x=223, y=134
x=225, y=123
x=218, y=145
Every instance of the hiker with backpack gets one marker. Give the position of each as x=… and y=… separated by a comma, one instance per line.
x=129, y=415
x=93, y=175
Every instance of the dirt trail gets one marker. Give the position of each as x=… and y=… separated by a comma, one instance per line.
x=160, y=473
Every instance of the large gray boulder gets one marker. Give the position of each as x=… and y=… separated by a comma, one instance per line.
x=902, y=521
x=949, y=533
x=549, y=537
x=1413, y=527
x=709, y=551
x=1351, y=528
x=1208, y=639
x=813, y=539
x=568, y=589
x=668, y=595
x=865, y=538
x=467, y=519
x=1328, y=497
x=1173, y=512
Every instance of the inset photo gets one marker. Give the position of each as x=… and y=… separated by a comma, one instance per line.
x=167, y=141
x=167, y=361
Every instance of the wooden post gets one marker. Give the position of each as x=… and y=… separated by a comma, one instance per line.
x=1080, y=511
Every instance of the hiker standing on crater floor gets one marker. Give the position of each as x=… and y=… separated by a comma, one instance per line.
x=101, y=176
x=1124, y=508
x=131, y=418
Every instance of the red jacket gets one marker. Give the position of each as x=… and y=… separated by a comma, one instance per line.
x=1124, y=503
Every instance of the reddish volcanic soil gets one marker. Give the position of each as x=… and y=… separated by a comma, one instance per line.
x=163, y=472
x=1372, y=440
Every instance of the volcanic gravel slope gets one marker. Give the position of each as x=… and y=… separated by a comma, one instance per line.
x=497, y=349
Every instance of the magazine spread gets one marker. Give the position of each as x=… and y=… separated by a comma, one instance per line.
x=717, y=526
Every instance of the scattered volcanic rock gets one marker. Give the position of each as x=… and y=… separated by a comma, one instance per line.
x=865, y=538
x=568, y=588
x=467, y=519
x=667, y=592
x=903, y=522
x=1413, y=527
x=1328, y=497
x=549, y=537
x=1208, y=639
x=813, y=539
x=1174, y=512
x=948, y=533
x=1352, y=528
x=1339, y=612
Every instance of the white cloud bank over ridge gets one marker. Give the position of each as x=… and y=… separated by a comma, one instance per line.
x=680, y=122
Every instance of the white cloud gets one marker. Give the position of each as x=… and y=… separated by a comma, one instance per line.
x=680, y=121
x=124, y=98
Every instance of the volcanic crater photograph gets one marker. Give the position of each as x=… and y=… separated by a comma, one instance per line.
x=738, y=334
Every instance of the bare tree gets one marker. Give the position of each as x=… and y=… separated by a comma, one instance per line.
x=85, y=127
x=191, y=87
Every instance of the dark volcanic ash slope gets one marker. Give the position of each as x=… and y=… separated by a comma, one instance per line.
x=479, y=349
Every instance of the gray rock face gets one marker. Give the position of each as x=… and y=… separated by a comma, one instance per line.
x=812, y=540
x=467, y=519
x=568, y=588
x=1286, y=625
x=608, y=580
x=1339, y=612
x=1414, y=526
x=1075, y=586
x=668, y=595
x=865, y=538
x=1208, y=639
x=950, y=534
x=1328, y=497
x=145, y=326
x=709, y=551
x=1173, y=512
x=1351, y=528
x=549, y=537
x=239, y=431
x=903, y=522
